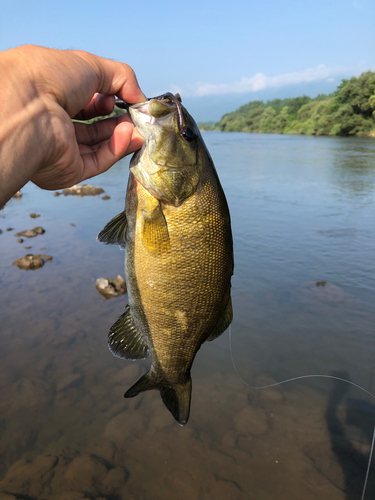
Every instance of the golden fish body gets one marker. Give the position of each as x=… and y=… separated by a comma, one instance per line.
x=178, y=266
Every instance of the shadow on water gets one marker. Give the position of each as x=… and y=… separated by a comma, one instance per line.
x=353, y=461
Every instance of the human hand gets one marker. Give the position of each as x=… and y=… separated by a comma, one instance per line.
x=45, y=89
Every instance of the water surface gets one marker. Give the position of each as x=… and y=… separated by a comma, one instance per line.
x=303, y=224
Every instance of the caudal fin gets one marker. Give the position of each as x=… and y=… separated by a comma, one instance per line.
x=176, y=397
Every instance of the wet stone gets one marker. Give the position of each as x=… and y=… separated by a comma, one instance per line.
x=84, y=190
x=111, y=288
x=31, y=233
x=31, y=262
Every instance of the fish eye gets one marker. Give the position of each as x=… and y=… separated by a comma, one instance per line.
x=187, y=134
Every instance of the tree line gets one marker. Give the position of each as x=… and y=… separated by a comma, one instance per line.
x=349, y=111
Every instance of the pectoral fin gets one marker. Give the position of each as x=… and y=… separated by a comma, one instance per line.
x=125, y=341
x=114, y=232
x=224, y=321
x=155, y=234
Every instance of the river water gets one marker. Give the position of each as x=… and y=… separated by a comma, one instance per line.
x=303, y=292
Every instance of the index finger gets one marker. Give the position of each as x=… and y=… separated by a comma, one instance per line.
x=115, y=78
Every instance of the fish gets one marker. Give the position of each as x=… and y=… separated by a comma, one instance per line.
x=176, y=231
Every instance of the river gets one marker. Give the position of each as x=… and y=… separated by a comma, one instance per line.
x=302, y=213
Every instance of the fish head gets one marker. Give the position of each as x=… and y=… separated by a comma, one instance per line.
x=167, y=163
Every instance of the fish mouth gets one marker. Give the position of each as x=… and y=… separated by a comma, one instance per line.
x=168, y=100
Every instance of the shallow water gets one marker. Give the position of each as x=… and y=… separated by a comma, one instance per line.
x=302, y=213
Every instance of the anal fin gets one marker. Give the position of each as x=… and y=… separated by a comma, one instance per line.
x=224, y=321
x=125, y=341
x=114, y=232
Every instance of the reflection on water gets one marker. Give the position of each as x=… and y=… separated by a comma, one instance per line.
x=302, y=211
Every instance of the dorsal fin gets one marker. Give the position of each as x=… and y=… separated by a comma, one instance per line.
x=114, y=232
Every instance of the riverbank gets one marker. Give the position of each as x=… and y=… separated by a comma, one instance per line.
x=349, y=111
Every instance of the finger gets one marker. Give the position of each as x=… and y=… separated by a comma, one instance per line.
x=115, y=78
x=97, y=132
x=97, y=159
x=100, y=105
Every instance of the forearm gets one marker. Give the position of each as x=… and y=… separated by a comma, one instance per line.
x=23, y=120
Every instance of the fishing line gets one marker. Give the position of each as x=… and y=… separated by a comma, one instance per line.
x=303, y=377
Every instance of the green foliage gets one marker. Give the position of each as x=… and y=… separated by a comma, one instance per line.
x=349, y=111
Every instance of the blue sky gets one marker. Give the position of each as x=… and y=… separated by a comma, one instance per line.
x=218, y=54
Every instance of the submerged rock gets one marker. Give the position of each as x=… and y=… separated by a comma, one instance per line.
x=20, y=240
x=34, y=216
x=106, y=197
x=111, y=288
x=31, y=233
x=10, y=228
x=31, y=261
x=84, y=190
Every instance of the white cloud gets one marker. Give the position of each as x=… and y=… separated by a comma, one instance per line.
x=261, y=81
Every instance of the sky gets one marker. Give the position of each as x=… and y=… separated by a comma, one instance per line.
x=217, y=54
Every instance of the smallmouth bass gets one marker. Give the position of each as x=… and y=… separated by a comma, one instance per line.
x=179, y=252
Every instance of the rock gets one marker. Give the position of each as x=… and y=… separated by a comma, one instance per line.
x=85, y=474
x=20, y=240
x=84, y=190
x=5, y=496
x=28, y=479
x=67, y=381
x=111, y=288
x=115, y=480
x=31, y=262
x=17, y=195
x=46, y=257
x=27, y=248
x=31, y=233
x=72, y=224
x=106, y=197
x=252, y=420
x=1, y=231
x=72, y=496
x=56, y=193
x=10, y=228
x=34, y=216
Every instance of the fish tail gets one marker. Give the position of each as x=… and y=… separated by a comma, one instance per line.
x=176, y=397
